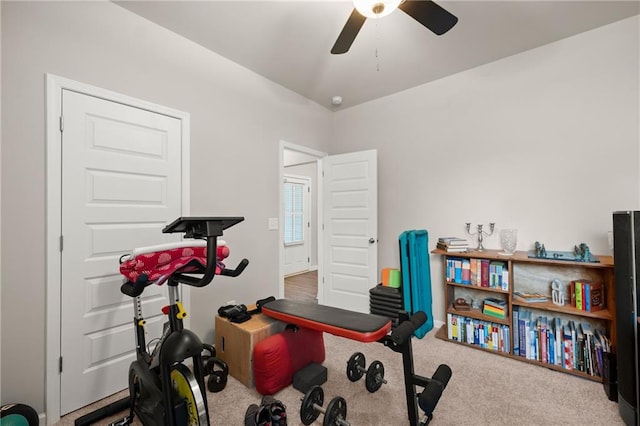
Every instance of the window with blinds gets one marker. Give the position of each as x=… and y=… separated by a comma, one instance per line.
x=293, y=213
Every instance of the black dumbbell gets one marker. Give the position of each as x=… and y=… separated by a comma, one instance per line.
x=375, y=372
x=334, y=415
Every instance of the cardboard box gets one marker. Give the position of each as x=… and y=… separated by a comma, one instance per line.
x=235, y=343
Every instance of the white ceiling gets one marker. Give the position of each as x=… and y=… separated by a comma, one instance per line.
x=289, y=41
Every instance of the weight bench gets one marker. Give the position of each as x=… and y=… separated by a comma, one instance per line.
x=368, y=328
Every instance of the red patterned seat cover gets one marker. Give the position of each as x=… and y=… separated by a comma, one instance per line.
x=159, y=265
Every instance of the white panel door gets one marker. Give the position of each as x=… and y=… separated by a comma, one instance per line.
x=121, y=183
x=297, y=256
x=350, y=218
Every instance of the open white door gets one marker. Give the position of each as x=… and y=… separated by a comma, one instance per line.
x=350, y=230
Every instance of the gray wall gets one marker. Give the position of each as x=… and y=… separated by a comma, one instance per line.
x=237, y=122
x=546, y=141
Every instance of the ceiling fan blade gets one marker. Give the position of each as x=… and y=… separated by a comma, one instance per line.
x=348, y=33
x=429, y=14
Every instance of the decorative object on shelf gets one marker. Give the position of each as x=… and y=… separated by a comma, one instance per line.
x=461, y=304
x=580, y=253
x=481, y=233
x=557, y=292
x=475, y=303
x=541, y=251
x=508, y=241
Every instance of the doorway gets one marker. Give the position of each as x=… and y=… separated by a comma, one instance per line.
x=302, y=286
x=346, y=224
x=297, y=221
x=304, y=163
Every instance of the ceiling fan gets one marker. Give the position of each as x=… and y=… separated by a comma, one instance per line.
x=429, y=14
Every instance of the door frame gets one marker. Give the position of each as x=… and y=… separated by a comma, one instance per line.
x=306, y=206
x=318, y=155
x=53, y=103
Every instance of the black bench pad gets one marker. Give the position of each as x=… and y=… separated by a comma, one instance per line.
x=336, y=321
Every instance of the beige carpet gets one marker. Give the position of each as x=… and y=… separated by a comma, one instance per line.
x=485, y=389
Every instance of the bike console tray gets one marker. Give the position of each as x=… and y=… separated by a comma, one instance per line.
x=201, y=227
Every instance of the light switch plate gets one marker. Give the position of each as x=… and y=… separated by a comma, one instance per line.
x=273, y=223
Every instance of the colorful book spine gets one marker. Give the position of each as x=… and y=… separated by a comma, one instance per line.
x=457, y=268
x=466, y=271
x=484, y=273
x=578, y=290
x=543, y=339
x=586, y=290
x=474, y=271
x=515, y=320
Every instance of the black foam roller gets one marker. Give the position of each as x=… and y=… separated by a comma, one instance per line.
x=402, y=332
x=429, y=397
x=431, y=394
x=443, y=374
x=406, y=328
x=418, y=319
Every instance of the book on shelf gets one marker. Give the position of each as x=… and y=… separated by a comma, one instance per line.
x=490, y=312
x=495, y=302
x=494, y=307
x=485, y=334
x=571, y=344
x=516, y=329
x=530, y=297
x=452, y=249
x=453, y=241
x=587, y=295
x=453, y=244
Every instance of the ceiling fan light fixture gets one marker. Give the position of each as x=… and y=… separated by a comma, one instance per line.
x=376, y=8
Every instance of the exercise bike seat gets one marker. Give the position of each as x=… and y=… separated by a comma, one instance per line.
x=339, y=322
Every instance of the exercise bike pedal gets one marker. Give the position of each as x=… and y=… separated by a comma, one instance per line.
x=122, y=422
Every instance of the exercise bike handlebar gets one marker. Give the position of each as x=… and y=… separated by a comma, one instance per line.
x=209, y=228
x=235, y=272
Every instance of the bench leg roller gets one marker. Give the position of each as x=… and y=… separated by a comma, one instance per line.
x=431, y=394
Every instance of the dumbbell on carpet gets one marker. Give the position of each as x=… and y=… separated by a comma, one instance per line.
x=375, y=372
x=334, y=415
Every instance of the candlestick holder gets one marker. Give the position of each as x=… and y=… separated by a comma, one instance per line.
x=481, y=233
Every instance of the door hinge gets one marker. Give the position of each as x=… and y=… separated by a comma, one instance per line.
x=60, y=365
x=61, y=242
x=61, y=123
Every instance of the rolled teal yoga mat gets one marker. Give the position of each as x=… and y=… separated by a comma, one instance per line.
x=416, y=276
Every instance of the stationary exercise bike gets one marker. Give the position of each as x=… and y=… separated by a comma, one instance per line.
x=162, y=389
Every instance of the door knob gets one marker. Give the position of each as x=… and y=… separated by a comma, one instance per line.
x=372, y=240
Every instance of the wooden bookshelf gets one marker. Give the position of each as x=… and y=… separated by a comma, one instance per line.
x=531, y=275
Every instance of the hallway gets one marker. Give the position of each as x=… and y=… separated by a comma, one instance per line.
x=302, y=287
